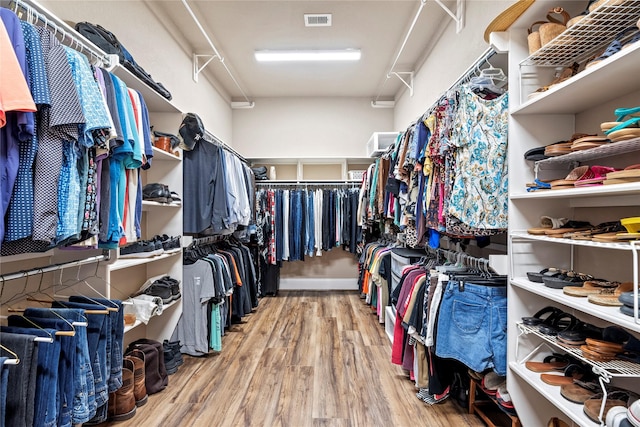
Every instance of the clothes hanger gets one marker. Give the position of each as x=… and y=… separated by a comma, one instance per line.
x=36, y=326
x=112, y=308
x=15, y=359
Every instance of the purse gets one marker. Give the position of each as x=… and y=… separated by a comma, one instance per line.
x=547, y=30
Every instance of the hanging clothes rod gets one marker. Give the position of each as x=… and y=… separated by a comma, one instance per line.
x=199, y=241
x=36, y=12
x=52, y=267
x=321, y=182
x=216, y=54
x=214, y=139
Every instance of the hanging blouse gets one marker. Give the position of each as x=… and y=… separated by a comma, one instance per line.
x=479, y=195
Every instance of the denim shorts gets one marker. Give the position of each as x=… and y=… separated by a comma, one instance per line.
x=472, y=326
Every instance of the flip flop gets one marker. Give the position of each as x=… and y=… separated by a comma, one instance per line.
x=554, y=362
x=595, y=175
x=630, y=124
x=571, y=178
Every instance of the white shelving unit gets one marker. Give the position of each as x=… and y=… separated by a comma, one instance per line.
x=579, y=104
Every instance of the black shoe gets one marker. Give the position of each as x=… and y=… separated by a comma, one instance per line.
x=170, y=363
x=141, y=249
x=156, y=192
x=174, y=284
x=175, y=347
x=161, y=290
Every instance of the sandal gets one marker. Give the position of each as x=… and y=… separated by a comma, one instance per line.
x=570, y=278
x=547, y=272
x=590, y=287
x=573, y=371
x=610, y=297
x=579, y=391
x=538, y=319
x=565, y=74
x=559, y=323
x=554, y=362
x=613, y=48
x=595, y=175
x=614, y=398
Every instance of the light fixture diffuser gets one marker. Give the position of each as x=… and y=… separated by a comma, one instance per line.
x=307, y=55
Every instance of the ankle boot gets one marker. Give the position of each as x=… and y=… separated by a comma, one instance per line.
x=175, y=347
x=139, y=388
x=122, y=402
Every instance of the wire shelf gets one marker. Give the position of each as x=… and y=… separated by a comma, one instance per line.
x=593, y=32
x=605, y=150
x=615, y=367
x=523, y=235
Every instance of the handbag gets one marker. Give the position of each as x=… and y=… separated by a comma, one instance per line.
x=547, y=30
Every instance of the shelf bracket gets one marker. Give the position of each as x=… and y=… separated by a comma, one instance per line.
x=197, y=68
x=458, y=16
x=407, y=82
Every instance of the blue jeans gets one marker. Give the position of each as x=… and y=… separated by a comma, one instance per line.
x=295, y=226
x=114, y=340
x=4, y=383
x=65, y=365
x=84, y=400
x=97, y=345
x=310, y=241
x=22, y=379
x=472, y=326
x=46, y=407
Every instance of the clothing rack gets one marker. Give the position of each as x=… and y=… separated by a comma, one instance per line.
x=345, y=182
x=36, y=12
x=466, y=76
x=52, y=267
x=208, y=136
x=459, y=256
x=200, y=241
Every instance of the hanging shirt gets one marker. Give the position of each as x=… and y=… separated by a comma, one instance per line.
x=480, y=190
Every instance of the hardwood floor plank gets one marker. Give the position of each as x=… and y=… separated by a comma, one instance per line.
x=329, y=387
x=303, y=359
x=295, y=402
x=260, y=402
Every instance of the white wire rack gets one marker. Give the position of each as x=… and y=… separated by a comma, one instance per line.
x=592, y=33
x=605, y=150
x=613, y=368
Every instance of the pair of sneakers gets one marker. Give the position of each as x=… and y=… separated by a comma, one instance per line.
x=166, y=288
x=172, y=356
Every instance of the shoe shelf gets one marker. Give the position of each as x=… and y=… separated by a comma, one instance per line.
x=524, y=236
x=149, y=204
x=139, y=322
x=133, y=262
x=605, y=150
x=632, y=188
x=583, y=39
x=589, y=88
x=607, y=314
x=159, y=154
x=613, y=368
x=156, y=103
x=552, y=393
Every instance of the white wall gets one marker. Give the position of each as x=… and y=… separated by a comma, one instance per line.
x=308, y=127
x=450, y=57
x=161, y=51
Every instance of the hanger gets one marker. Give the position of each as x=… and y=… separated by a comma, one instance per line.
x=113, y=307
x=15, y=359
x=39, y=339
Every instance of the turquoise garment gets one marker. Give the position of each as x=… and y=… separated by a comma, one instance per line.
x=216, y=329
x=372, y=190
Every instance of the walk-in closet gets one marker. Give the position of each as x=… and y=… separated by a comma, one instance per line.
x=319, y=213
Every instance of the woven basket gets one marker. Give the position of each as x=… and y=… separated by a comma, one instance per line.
x=554, y=27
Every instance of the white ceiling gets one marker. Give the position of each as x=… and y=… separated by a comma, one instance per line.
x=378, y=28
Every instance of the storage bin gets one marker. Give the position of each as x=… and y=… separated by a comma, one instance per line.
x=401, y=257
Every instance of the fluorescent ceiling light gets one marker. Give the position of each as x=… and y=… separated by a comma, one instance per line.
x=307, y=55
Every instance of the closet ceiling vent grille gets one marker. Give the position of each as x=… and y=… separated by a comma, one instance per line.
x=317, y=19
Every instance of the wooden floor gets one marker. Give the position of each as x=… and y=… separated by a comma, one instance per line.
x=302, y=359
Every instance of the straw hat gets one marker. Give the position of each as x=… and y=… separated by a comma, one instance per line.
x=503, y=21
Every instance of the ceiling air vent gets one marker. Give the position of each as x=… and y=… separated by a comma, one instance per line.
x=317, y=19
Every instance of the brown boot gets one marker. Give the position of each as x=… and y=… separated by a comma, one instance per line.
x=122, y=403
x=139, y=389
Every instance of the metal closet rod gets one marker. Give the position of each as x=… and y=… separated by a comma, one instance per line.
x=214, y=139
x=52, y=267
x=69, y=35
x=215, y=51
x=302, y=182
